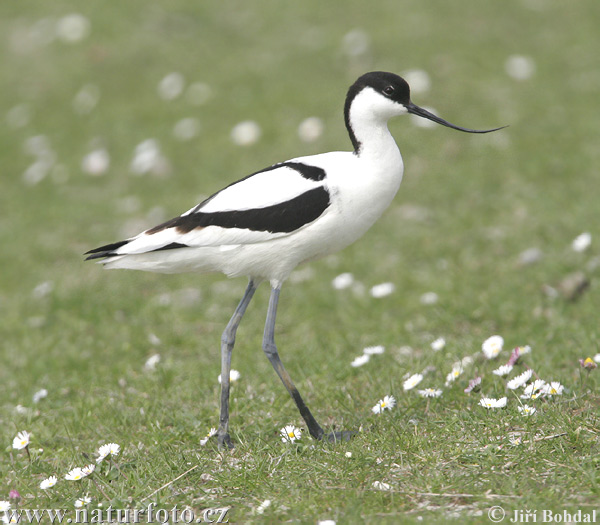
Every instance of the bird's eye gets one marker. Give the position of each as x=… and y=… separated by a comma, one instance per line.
x=388, y=90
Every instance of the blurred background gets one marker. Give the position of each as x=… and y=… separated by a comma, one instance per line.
x=117, y=116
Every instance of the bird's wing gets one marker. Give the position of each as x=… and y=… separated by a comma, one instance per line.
x=265, y=205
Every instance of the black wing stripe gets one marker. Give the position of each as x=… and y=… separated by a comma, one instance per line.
x=107, y=248
x=307, y=171
x=284, y=217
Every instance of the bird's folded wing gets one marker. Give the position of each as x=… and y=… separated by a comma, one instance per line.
x=268, y=204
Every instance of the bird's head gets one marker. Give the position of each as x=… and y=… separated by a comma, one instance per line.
x=385, y=95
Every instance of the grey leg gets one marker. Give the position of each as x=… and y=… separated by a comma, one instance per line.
x=271, y=351
x=227, y=342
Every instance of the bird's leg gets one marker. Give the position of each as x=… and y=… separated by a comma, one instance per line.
x=271, y=351
x=227, y=342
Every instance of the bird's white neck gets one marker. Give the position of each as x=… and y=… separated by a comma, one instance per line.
x=366, y=121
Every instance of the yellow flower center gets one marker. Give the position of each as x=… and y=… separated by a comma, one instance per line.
x=291, y=434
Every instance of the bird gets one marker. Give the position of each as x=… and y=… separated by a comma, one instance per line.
x=266, y=224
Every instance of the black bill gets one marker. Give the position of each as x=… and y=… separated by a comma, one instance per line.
x=416, y=110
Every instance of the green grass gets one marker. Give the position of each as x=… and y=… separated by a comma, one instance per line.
x=482, y=200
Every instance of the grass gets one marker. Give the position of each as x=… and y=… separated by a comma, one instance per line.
x=469, y=205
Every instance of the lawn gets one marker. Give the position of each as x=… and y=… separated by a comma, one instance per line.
x=118, y=116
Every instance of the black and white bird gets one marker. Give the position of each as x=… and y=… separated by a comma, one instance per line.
x=267, y=223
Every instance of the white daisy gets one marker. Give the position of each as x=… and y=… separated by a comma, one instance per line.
x=412, y=381
x=21, y=440
x=453, y=375
x=382, y=290
x=88, y=469
x=387, y=403
x=380, y=485
x=554, y=388
x=438, y=344
x=374, y=350
x=39, y=395
x=520, y=380
x=342, y=281
x=290, y=433
x=474, y=384
x=4, y=506
x=526, y=410
x=212, y=432
x=430, y=392
x=515, y=441
x=48, y=482
x=151, y=362
x=489, y=402
x=360, y=360
x=246, y=133
x=503, y=370
x=75, y=474
x=109, y=449
x=492, y=346
x=534, y=390
x=310, y=129
x=234, y=375
x=582, y=242
x=263, y=506
x=83, y=501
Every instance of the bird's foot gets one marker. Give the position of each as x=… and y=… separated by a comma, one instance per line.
x=344, y=435
x=224, y=441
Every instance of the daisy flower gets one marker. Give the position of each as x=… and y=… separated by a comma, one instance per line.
x=48, y=482
x=474, y=384
x=588, y=363
x=430, y=392
x=412, y=381
x=360, y=360
x=151, y=363
x=82, y=502
x=526, y=410
x=4, y=506
x=234, y=375
x=554, y=388
x=380, y=485
x=75, y=474
x=21, y=440
x=582, y=242
x=88, y=469
x=503, y=370
x=342, y=281
x=374, y=350
x=492, y=346
x=453, y=375
x=381, y=290
x=534, y=390
x=515, y=441
x=387, y=403
x=290, y=433
x=517, y=353
x=520, y=380
x=263, y=506
x=39, y=395
x=489, y=402
x=438, y=344
x=212, y=432
x=109, y=449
